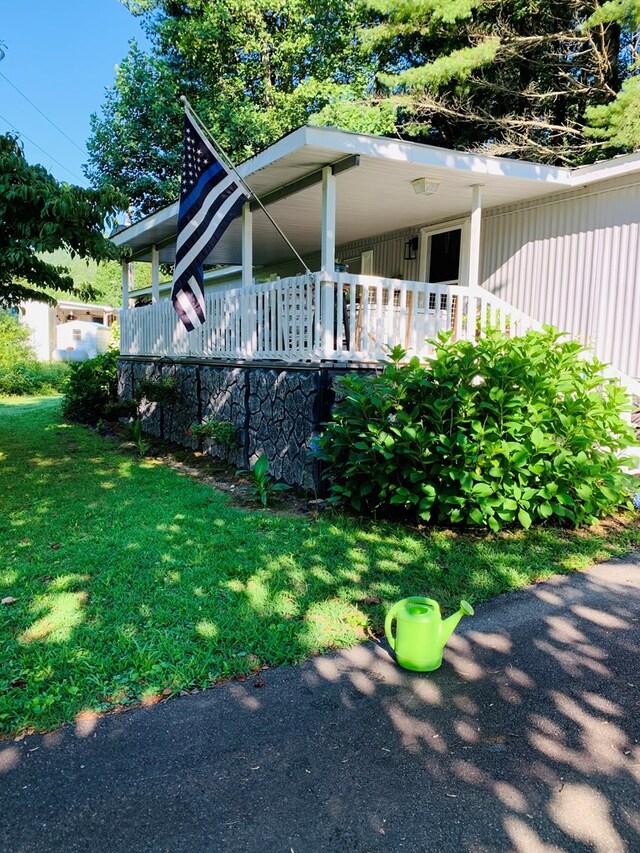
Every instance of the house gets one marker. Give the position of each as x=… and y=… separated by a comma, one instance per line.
x=45, y=322
x=400, y=240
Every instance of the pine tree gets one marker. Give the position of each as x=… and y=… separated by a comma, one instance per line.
x=520, y=78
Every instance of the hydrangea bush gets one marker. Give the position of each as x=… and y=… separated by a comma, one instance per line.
x=507, y=431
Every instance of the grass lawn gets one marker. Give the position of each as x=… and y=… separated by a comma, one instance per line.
x=131, y=579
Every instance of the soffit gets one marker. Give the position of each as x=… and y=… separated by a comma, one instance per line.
x=373, y=198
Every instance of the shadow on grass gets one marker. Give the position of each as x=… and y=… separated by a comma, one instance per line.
x=130, y=579
x=527, y=739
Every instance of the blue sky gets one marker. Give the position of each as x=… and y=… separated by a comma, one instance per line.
x=62, y=55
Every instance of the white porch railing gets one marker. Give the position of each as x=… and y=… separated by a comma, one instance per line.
x=305, y=318
x=379, y=312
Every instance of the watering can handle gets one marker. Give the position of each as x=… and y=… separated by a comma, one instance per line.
x=391, y=615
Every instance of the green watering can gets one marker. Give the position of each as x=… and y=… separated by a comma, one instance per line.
x=421, y=632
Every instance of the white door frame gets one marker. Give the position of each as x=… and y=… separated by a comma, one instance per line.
x=464, y=226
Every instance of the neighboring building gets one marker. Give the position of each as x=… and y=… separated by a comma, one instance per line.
x=44, y=319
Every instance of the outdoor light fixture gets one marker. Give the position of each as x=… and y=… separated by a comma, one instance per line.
x=425, y=186
x=411, y=249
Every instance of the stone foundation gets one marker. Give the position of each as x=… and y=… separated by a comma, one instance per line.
x=275, y=409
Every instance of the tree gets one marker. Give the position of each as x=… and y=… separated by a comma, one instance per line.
x=515, y=77
x=253, y=70
x=15, y=342
x=38, y=214
x=135, y=143
x=552, y=82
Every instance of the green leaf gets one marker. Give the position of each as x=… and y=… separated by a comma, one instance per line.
x=466, y=481
x=482, y=490
x=261, y=465
x=537, y=437
x=545, y=510
x=524, y=518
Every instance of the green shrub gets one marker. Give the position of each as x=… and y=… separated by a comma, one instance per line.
x=163, y=391
x=20, y=372
x=520, y=430
x=92, y=392
x=15, y=342
x=219, y=432
x=33, y=377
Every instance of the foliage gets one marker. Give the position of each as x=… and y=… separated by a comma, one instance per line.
x=262, y=483
x=92, y=393
x=164, y=391
x=135, y=142
x=120, y=408
x=552, y=82
x=114, y=604
x=33, y=377
x=253, y=70
x=618, y=122
x=114, y=336
x=98, y=283
x=15, y=341
x=20, y=372
x=506, y=431
x=133, y=431
x=38, y=214
x=345, y=110
x=220, y=432
x=522, y=79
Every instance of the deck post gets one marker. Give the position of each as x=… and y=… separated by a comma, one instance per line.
x=328, y=264
x=125, y=285
x=474, y=237
x=249, y=330
x=155, y=275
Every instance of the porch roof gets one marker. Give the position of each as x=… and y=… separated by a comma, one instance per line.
x=373, y=198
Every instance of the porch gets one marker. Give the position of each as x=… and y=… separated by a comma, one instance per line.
x=444, y=232
x=312, y=318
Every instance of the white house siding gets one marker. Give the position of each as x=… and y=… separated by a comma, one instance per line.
x=573, y=261
x=388, y=256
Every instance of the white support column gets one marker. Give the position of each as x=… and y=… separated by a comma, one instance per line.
x=247, y=245
x=474, y=236
x=155, y=275
x=328, y=263
x=249, y=319
x=125, y=285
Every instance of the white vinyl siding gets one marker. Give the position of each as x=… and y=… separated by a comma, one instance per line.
x=573, y=261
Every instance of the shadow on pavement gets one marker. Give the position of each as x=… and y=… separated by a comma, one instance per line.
x=527, y=739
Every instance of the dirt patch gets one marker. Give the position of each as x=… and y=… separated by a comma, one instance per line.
x=205, y=469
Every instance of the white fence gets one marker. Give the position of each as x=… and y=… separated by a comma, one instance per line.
x=303, y=318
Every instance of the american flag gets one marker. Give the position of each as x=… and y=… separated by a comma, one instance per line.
x=210, y=198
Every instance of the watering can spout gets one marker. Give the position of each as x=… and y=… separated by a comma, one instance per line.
x=449, y=625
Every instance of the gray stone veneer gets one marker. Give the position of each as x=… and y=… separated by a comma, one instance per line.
x=276, y=410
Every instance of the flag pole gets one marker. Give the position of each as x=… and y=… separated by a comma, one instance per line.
x=229, y=164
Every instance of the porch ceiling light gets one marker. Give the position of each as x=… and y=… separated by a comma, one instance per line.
x=425, y=186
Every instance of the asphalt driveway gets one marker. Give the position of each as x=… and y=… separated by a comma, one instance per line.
x=527, y=739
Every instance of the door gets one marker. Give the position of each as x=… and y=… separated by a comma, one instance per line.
x=442, y=263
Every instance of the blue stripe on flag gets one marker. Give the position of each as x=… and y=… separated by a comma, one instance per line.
x=200, y=190
x=198, y=222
